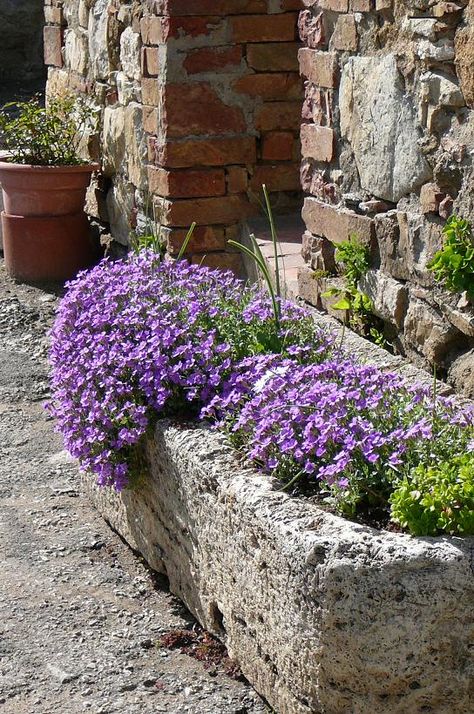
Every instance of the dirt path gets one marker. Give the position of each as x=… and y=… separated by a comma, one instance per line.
x=80, y=615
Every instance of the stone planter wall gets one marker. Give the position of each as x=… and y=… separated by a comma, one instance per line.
x=322, y=615
x=387, y=145
x=197, y=104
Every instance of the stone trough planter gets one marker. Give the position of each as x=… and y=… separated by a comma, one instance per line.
x=322, y=615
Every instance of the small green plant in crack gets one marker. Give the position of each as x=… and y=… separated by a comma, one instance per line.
x=453, y=265
x=354, y=257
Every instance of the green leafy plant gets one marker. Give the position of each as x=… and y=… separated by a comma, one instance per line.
x=453, y=265
x=355, y=258
x=44, y=136
x=437, y=498
x=256, y=255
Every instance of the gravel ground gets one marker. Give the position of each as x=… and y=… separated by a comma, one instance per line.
x=80, y=614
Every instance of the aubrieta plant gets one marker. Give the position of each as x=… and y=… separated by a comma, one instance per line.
x=140, y=338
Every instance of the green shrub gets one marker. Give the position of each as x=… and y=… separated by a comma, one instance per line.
x=453, y=265
x=437, y=498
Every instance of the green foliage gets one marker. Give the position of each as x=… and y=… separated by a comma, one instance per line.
x=355, y=258
x=453, y=265
x=256, y=255
x=437, y=498
x=44, y=136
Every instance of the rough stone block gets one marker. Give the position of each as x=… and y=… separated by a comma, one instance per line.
x=389, y=297
x=336, y=224
x=317, y=142
x=345, y=36
x=321, y=68
x=322, y=614
x=52, y=37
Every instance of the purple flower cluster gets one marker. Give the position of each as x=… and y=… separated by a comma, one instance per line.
x=338, y=422
x=138, y=338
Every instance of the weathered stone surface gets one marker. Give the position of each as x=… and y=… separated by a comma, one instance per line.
x=323, y=615
x=113, y=139
x=461, y=374
x=378, y=119
x=389, y=297
x=130, y=46
x=98, y=39
x=428, y=333
x=464, y=44
x=76, y=51
x=135, y=143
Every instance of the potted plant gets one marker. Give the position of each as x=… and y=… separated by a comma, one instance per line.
x=44, y=181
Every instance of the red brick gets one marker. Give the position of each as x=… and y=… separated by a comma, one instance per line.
x=186, y=184
x=204, y=239
x=220, y=210
x=213, y=59
x=321, y=68
x=278, y=115
x=150, y=61
x=52, y=37
x=218, y=151
x=158, y=30
x=345, y=35
x=270, y=86
x=327, y=221
x=195, y=109
x=151, y=91
x=237, y=179
x=317, y=142
x=274, y=56
x=264, y=28
x=150, y=119
x=279, y=177
x=278, y=146
x=214, y=7
x=224, y=261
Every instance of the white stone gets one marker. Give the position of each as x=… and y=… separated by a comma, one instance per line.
x=440, y=89
x=379, y=121
x=98, y=39
x=136, y=146
x=442, y=51
x=120, y=207
x=76, y=52
x=130, y=46
x=113, y=141
x=423, y=26
x=322, y=614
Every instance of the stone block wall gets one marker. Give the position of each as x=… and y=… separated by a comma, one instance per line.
x=387, y=154
x=194, y=105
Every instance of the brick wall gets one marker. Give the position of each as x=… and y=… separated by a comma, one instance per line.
x=197, y=104
x=387, y=137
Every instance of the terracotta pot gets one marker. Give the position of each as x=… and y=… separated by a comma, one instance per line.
x=44, y=190
x=45, y=231
x=41, y=248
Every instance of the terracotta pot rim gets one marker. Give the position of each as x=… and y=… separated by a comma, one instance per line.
x=73, y=168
